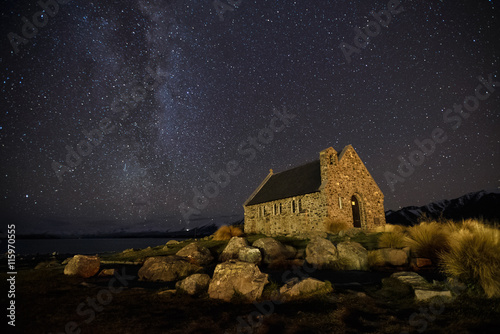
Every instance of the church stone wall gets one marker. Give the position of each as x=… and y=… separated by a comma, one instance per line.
x=341, y=179
x=308, y=216
x=351, y=178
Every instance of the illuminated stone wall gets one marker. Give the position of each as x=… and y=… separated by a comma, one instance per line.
x=342, y=177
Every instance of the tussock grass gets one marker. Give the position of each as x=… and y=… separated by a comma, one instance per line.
x=375, y=259
x=392, y=240
x=227, y=232
x=428, y=239
x=468, y=224
x=335, y=225
x=325, y=290
x=474, y=256
x=389, y=228
x=271, y=290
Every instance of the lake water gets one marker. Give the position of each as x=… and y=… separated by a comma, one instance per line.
x=80, y=246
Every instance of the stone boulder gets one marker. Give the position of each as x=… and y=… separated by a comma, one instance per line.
x=292, y=251
x=232, y=249
x=273, y=250
x=167, y=268
x=233, y=277
x=250, y=254
x=407, y=250
x=424, y=295
x=296, y=288
x=352, y=256
x=321, y=253
x=83, y=266
x=196, y=254
x=107, y=272
x=392, y=256
x=412, y=279
x=420, y=262
x=167, y=293
x=172, y=243
x=194, y=285
x=423, y=290
x=301, y=254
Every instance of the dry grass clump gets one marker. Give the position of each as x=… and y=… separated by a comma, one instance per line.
x=389, y=228
x=375, y=259
x=396, y=239
x=227, y=232
x=335, y=226
x=470, y=224
x=428, y=239
x=474, y=256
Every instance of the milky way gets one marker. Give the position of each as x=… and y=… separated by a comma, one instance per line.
x=122, y=111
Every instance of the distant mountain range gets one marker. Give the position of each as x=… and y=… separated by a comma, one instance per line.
x=481, y=204
x=197, y=232
x=84, y=227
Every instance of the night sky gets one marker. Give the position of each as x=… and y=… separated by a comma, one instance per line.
x=170, y=93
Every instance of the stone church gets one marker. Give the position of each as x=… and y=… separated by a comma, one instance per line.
x=304, y=199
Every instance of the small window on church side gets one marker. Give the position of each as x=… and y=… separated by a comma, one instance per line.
x=296, y=205
x=277, y=209
x=262, y=211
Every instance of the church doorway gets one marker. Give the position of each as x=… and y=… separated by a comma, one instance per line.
x=356, y=214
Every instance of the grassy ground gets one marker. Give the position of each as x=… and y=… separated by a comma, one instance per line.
x=216, y=247
x=369, y=241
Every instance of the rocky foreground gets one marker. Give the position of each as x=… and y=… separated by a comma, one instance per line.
x=247, y=285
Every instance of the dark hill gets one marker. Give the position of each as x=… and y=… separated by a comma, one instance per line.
x=481, y=204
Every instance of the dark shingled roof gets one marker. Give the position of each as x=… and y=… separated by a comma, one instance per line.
x=300, y=180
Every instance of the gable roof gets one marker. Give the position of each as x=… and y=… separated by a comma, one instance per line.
x=300, y=180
